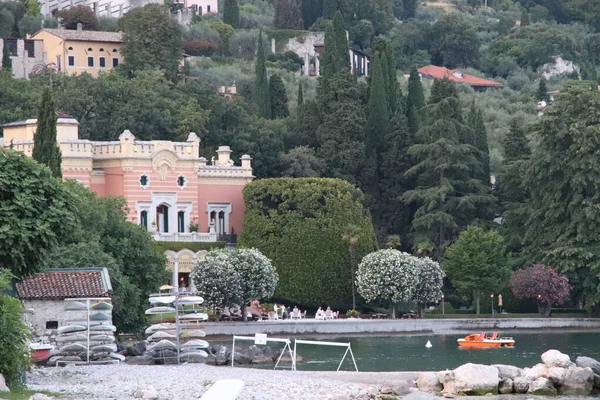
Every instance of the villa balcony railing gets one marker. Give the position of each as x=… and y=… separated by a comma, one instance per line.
x=186, y=237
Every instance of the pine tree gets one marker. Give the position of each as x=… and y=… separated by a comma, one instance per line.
x=415, y=97
x=311, y=11
x=327, y=66
x=300, y=94
x=515, y=143
x=231, y=13
x=342, y=55
x=45, y=145
x=278, y=96
x=261, y=86
x=413, y=120
x=479, y=141
x=288, y=15
x=6, y=61
x=329, y=8
x=524, y=17
x=542, y=92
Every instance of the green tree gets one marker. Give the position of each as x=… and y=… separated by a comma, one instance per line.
x=329, y=8
x=14, y=341
x=480, y=142
x=342, y=55
x=261, y=85
x=288, y=15
x=453, y=41
x=226, y=32
x=151, y=41
x=409, y=8
x=542, y=91
x=79, y=14
x=231, y=13
x=561, y=180
x=6, y=61
x=389, y=68
x=298, y=224
x=328, y=65
x=478, y=263
x=505, y=24
x=36, y=213
x=278, y=97
x=45, y=144
x=351, y=237
x=302, y=162
x=300, y=94
x=415, y=99
x=524, y=17
x=515, y=143
x=33, y=8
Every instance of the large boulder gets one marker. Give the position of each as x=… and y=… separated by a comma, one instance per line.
x=194, y=358
x=557, y=375
x=136, y=349
x=521, y=384
x=258, y=355
x=588, y=362
x=542, y=386
x=577, y=381
x=221, y=355
x=537, y=371
x=428, y=382
x=596, y=381
x=476, y=379
x=507, y=371
x=505, y=386
x=242, y=357
x=554, y=358
x=3, y=387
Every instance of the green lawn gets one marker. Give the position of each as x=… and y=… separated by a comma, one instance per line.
x=25, y=394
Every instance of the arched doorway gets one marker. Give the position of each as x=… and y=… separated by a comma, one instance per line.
x=162, y=218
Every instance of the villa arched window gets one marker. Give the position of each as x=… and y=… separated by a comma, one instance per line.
x=181, y=221
x=144, y=219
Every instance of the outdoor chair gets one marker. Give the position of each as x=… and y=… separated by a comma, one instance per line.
x=328, y=315
x=303, y=315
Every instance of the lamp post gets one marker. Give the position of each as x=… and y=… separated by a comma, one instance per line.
x=443, y=308
x=492, y=296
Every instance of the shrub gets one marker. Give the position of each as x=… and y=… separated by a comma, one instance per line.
x=193, y=246
x=200, y=48
x=299, y=224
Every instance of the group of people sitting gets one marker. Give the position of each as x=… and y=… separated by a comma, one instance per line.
x=327, y=314
x=286, y=312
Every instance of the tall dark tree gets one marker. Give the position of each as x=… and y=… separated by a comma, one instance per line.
x=328, y=64
x=151, y=41
x=261, y=85
x=288, y=15
x=563, y=182
x=311, y=11
x=515, y=143
x=453, y=41
x=278, y=97
x=524, y=17
x=542, y=92
x=45, y=145
x=388, y=66
x=329, y=8
x=480, y=142
x=409, y=8
x=6, y=62
x=231, y=12
x=415, y=97
x=300, y=94
x=342, y=55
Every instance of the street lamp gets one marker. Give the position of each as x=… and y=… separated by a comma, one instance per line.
x=443, y=309
x=492, y=296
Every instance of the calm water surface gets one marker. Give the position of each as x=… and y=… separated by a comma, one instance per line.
x=408, y=353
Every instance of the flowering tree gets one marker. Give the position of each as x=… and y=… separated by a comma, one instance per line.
x=543, y=283
x=217, y=278
x=388, y=275
x=258, y=278
x=431, y=280
x=236, y=277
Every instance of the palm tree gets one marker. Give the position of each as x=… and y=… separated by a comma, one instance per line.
x=351, y=238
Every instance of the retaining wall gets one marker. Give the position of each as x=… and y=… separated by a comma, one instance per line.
x=357, y=326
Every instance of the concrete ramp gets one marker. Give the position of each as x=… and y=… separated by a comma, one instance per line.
x=225, y=389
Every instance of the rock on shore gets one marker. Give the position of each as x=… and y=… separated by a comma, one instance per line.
x=556, y=374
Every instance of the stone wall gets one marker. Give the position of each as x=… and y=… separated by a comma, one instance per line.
x=22, y=64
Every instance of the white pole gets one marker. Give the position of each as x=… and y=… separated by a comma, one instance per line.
x=294, y=358
x=233, y=353
x=88, y=330
x=177, y=329
x=343, y=358
x=353, y=360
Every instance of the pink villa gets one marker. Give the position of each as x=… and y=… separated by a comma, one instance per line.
x=172, y=191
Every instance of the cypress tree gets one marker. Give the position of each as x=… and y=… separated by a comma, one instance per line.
x=415, y=97
x=479, y=141
x=261, y=86
x=515, y=143
x=414, y=121
x=329, y=8
x=278, y=96
x=386, y=78
x=288, y=15
x=231, y=13
x=300, y=94
x=6, y=61
x=342, y=55
x=327, y=66
x=45, y=145
x=524, y=17
x=542, y=92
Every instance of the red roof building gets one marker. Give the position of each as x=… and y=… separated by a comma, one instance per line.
x=456, y=75
x=59, y=284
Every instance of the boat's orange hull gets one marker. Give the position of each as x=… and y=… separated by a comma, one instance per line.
x=485, y=344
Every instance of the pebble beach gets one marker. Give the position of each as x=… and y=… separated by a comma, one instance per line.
x=189, y=381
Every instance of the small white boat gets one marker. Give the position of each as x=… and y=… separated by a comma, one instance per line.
x=189, y=300
x=74, y=305
x=117, y=356
x=162, y=345
x=195, y=344
x=158, y=336
x=160, y=310
x=40, y=351
x=100, y=316
x=103, y=338
x=73, y=348
x=104, y=348
x=71, y=328
x=197, y=333
x=201, y=353
x=77, y=337
x=102, y=306
x=157, y=327
x=162, y=299
x=193, y=316
x=103, y=328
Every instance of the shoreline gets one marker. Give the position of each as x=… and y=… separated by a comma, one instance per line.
x=348, y=327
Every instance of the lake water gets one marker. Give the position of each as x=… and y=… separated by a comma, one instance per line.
x=408, y=353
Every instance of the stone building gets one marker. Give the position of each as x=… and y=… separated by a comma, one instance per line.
x=44, y=294
x=26, y=56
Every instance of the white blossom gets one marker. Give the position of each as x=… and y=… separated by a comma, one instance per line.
x=431, y=280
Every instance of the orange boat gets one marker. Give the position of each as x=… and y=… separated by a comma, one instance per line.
x=481, y=340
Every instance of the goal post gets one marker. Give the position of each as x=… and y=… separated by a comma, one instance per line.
x=262, y=339
x=319, y=343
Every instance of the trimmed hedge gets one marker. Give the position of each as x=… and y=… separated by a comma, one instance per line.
x=299, y=224
x=193, y=246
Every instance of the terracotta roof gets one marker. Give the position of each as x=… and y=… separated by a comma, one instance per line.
x=66, y=283
x=87, y=36
x=456, y=75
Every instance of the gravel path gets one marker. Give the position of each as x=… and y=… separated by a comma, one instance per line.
x=188, y=381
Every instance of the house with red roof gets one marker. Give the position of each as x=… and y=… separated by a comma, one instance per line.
x=44, y=293
x=456, y=75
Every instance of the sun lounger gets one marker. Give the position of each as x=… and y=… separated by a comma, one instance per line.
x=225, y=389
